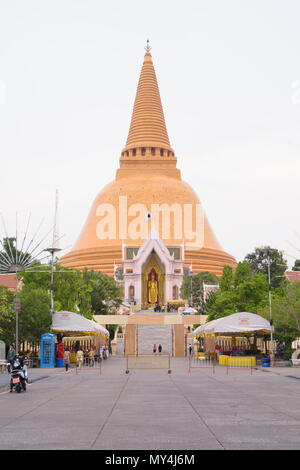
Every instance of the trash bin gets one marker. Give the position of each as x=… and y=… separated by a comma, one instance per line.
x=59, y=362
x=265, y=361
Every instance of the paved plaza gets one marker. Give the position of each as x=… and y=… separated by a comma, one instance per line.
x=153, y=410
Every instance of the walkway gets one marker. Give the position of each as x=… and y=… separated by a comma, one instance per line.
x=154, y=410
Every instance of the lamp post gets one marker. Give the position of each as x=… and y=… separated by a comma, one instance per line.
x=191, y=287
x=52, y=251
x=272, y=355
x=17, y=303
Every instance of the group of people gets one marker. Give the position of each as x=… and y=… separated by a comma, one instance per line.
x=159, y=348
x=88, y=356
x=165, y=308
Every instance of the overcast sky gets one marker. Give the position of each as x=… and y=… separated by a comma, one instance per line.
x=229, y=78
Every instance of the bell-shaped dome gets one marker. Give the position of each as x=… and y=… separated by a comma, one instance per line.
x=147, y=184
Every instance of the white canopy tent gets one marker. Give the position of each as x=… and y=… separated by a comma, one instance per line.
x=99, y=328
x=69, y=322
x=241, y=323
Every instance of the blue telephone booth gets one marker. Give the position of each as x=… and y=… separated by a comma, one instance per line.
x=47, y=350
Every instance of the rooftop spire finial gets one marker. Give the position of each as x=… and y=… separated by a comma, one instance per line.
x=148, y=47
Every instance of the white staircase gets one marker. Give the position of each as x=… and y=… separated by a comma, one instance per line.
x=148, y=335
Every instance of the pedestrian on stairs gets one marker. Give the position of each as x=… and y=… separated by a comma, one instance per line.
x=159, y=348
x=154, y=348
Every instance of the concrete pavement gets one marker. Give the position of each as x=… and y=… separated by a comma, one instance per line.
x=154, y=410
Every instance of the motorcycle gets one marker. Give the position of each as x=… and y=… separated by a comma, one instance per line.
x=18, y=381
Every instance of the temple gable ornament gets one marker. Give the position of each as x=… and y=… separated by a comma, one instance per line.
x=152, y=274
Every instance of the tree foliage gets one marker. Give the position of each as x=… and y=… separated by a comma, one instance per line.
x=7, y=316
x=239, y=292
x=296, y=266
x=86, y=292
x=258, y=263
x=285, y=313
x=196, y=283
x=10, y=251
x=34, y=317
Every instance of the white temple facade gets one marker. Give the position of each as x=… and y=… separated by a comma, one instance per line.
x=152, y=273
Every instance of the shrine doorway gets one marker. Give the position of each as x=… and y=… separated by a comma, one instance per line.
x=153, y=281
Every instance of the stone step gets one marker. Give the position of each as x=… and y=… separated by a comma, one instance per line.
x=148, y=335
x=120, y=347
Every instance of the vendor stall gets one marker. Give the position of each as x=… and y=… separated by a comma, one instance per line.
x=238, y=324
x=78, y=331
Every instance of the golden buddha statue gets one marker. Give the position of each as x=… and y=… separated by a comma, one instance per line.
x=153, y=290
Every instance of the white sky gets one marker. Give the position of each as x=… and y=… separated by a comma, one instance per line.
x=229, y=78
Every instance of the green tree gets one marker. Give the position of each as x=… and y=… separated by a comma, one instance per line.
x=70, y=291
x=242, y=273
x=252, y=294
x=257, y=261
x=296, y=266
x=7, y=316
x=12, y=253
x=209, y=302
x=285, y=313
x=90, y=292
x=105, y=294
x=34, y=317
x=197, y=286
x=224, y=304
x=244, y=294
x=227, y=278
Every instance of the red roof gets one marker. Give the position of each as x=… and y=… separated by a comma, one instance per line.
x=293, y=275
x=8, y=280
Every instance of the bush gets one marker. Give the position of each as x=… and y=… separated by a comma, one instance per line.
x=287, y=354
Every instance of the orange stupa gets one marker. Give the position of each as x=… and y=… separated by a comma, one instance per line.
x=147, y=176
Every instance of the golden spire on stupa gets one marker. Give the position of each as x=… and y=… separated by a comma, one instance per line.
x=148, y=139
x=147, y=175
x=148, y=127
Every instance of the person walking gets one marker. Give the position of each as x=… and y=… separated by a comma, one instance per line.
x=280, y=350
x=101, y=353
x=10, y=355
x=159, y=348
x=190, y=349
x=67, y=359
x=92, y=357
x=79, y=358
x=154, y=348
